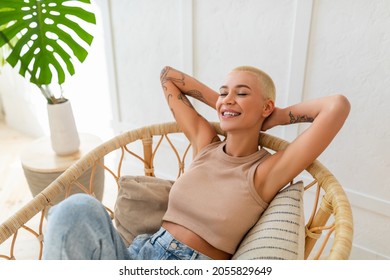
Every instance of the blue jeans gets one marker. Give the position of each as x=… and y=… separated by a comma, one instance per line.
x=79, y=228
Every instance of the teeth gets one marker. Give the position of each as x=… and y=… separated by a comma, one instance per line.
x=231, y=114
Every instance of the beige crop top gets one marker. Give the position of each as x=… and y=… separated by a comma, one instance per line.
x=216, y=198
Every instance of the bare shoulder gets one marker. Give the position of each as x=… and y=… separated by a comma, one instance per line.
x=207, y=135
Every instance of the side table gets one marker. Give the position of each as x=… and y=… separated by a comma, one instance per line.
x=41, y=166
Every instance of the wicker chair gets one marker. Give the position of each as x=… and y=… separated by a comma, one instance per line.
x=334, y=207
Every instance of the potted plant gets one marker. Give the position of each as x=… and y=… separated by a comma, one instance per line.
x=45, y=38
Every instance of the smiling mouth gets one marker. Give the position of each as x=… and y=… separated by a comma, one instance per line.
x=230, y=114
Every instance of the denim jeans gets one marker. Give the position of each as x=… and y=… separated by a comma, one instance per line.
x=79, y=228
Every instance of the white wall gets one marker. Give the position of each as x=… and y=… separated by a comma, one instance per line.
x=1, y=109
x=146, y=37
x=350, y=53
x=311, y=48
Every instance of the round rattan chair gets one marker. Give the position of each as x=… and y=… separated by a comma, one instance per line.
x=143, y=145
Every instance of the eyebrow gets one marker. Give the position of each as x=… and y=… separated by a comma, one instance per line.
x=237, y=86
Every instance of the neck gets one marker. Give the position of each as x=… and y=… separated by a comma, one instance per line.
x=240, y=145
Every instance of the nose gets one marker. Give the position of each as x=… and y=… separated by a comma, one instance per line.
x=229, y=99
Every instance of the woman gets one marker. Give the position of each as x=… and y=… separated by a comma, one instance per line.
x=229, y=183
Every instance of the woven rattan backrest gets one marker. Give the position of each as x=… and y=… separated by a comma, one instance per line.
x=148, y=146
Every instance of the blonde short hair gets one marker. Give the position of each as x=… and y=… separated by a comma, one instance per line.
x=267, y=84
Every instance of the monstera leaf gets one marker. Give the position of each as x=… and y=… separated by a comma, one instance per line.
x=49, y=36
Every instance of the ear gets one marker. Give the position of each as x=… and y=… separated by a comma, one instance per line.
x=268, y=108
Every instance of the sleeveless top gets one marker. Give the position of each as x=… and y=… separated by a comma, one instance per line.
x=216, y=198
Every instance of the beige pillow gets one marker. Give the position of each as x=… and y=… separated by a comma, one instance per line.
x=280, y=232
x=141, y=203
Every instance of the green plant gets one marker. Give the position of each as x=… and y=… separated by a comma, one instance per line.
x=4, y=50
x=2, y=58
x=45, y=37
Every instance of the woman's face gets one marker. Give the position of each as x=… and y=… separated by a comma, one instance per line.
x=241, y=102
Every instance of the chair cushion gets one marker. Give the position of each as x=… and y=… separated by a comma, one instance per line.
x=140, y=205
x=280, y=231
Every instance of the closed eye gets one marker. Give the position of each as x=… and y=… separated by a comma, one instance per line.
x=240, y=94
x=223, y=94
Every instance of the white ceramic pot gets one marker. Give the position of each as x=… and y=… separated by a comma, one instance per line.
x=63, y=131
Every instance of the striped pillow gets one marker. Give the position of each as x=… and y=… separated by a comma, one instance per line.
x=280, y=232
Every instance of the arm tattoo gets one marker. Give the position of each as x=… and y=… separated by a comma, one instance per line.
x=197, y=95
x=182, y=97
x=185, y=100
x=299, y=119
x=164, y=78
x=193, y=92
x=169, y=96
x=164, y=73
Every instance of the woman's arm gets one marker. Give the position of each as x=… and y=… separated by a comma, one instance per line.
x=177, y=86
x=327, y=116
x=285, y=116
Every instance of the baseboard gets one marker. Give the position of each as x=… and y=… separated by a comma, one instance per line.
x=361, y=253
x=367, y=202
